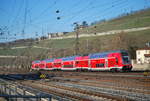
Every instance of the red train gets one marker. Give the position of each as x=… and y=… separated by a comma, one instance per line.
x=113, y=60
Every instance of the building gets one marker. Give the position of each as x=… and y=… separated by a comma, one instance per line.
x=53, y=35
x=143, y=55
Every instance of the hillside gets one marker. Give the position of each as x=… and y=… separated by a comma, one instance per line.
x=90, y=44
x=135, y=20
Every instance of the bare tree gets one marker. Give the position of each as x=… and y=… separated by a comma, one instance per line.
x=119, y=41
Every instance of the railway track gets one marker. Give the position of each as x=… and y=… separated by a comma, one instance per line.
x=110, y=91
x=139, y=74
x=77, y=93
x=102, y=84
x=92, y=93
x=93, y=87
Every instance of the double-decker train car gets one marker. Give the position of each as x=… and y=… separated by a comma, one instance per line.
x=49, y=64
x=57, y=64
x=42, y=64
x=113, y=60
x=68, y=63
x=82, y=62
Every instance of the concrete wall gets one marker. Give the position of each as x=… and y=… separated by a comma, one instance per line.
x=141, y=66
x=140, y=58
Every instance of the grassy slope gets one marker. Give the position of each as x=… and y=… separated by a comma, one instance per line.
x=141, y=36
x=139, y=19
x=63, y=43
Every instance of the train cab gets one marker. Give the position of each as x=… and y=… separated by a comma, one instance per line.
x=126, y=61
x=119, y=60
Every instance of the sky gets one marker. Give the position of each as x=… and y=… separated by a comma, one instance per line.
x=34, y=18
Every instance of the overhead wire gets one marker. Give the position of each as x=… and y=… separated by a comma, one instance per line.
x=16, y=18
x=77, y=14
x=25, y=18
x=34, y=6
x=4, y=11
x=73, y=6
x=111, y=6
x=89, y=9
x=117, y=4
x=44, y=11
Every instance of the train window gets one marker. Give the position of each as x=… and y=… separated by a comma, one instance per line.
x=57, y=64
x=36, y=66
x=100, y=65
x=77, y=62
x=48, y=66
x=124, y=54
x=125, y=60
x=117, y=60
x=68, y=65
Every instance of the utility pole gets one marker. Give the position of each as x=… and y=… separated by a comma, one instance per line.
x=25, y=19
x=87, y=44
x=77, y=27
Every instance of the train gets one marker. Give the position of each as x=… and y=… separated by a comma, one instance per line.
x=118, y=60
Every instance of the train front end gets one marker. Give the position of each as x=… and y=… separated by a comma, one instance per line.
x=126, y=61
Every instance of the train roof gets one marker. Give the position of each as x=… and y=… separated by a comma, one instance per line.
x=49, y=60
x=82, y=57
x=58, y=60
x=37, y=61
x=104, y=54
x=69, y=58
x=77, y=57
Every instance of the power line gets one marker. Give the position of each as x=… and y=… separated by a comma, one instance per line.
x=34, y=6
x=117, y=4
x=45, y=10
x=42, y=13
x=14, y=21
x=25, y=18
x=4, y=11
x=88, y=9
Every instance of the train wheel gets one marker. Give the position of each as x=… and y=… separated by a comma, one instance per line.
x=113, y=70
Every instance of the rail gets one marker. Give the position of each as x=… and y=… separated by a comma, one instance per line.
x=12, y=91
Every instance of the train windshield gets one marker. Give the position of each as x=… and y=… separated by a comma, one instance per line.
x=125, y=58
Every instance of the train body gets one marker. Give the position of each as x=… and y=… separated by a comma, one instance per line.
x=113, y=60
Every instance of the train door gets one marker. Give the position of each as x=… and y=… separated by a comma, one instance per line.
x=49, y=66
x=68, y=65
x=113, y=62
x=98, y=64
x=57, y=65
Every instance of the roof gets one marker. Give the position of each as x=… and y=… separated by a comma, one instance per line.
x=70, y=58
x=58, y=60
x=146, y=48
x=147, y=55
x=104, y=54
x=82, y=57
x=98, y=55
x=36, y=61
x=49, y=60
